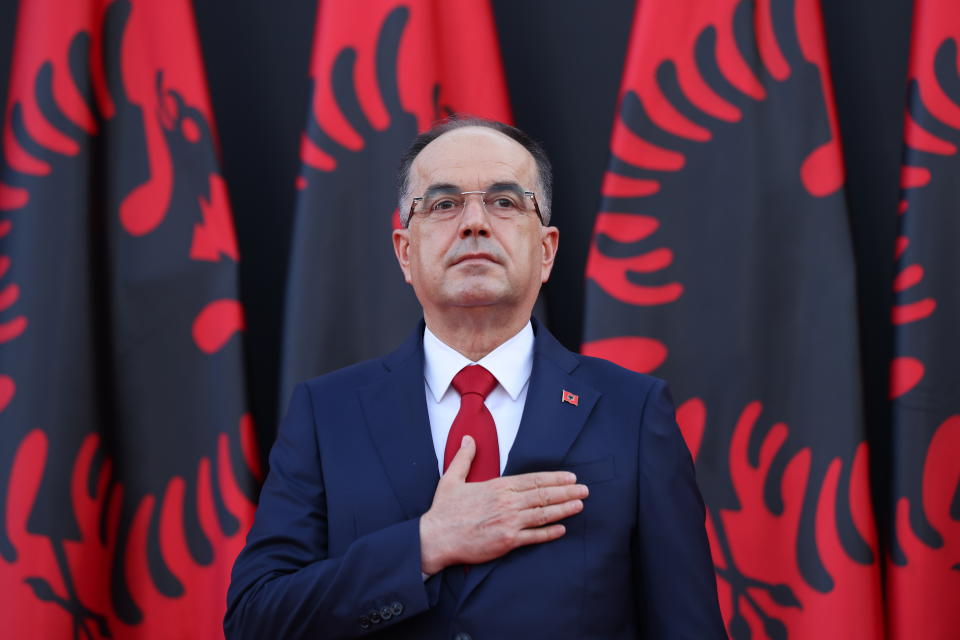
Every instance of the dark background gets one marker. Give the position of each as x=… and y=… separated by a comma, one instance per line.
x=563, y=62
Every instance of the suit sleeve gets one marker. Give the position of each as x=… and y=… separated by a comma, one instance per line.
x=285, y=585
x=677, y=591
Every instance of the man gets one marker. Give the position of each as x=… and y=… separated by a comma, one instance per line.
x=568, y=506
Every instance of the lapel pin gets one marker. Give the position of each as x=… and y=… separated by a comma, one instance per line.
x=571, y=398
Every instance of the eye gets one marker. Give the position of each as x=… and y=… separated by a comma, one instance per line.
x=502, y=202
x=444, y=204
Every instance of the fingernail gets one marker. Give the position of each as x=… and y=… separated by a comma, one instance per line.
x=464, y=441
x=572, y=476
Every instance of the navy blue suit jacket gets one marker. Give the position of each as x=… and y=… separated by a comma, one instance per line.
x=335, y=549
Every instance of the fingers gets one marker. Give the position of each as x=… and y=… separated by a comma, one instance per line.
x=543, y=496
x=460, y=465
x=527, y=481
x=539, y=535
x=475, y=522
x=539, y=516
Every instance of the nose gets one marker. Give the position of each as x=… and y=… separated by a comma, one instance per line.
x=473, y=220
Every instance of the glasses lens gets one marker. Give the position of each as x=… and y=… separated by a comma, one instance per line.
x=507, y=202
x=442, y=207
x=504, y=203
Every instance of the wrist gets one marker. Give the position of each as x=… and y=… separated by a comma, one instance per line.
x=431, y=557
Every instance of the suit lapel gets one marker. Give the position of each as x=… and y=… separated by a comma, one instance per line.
x=395, y=410
x=549, y=426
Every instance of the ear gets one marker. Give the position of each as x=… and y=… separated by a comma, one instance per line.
x=401, y=248
x=549, y=243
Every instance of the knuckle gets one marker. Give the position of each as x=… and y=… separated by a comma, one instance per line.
x=542, y=517
x=543, y=498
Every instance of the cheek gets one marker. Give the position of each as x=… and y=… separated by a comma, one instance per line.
x=533, y=258
x=425, y=258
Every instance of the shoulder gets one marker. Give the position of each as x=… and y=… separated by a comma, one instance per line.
x=648, y=400
x=353, y=377
x=627, y=390
x=614, y=377
x=625, y=387
x=369, y=372
x=627, y=393
x=596, y=371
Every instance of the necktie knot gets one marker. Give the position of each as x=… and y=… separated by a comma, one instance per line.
x=474, y=379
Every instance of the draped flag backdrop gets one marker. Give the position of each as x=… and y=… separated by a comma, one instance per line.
x=125, y=447
x=722, y=262
x=924, y=572
x=379, y=76
x=722, y=259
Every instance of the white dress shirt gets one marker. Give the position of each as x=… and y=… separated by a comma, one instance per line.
x=510, y=363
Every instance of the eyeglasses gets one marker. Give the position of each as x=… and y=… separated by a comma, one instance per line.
x=502, y=202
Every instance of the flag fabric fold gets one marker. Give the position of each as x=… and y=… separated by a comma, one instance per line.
x=722, y=262
x=923, y=589
x=126, y=452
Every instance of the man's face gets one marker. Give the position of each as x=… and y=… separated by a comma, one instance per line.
x=475, y=259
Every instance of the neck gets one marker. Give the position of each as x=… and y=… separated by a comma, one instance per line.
x=475, y=332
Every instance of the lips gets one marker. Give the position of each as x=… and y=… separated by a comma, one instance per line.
x=475, y=256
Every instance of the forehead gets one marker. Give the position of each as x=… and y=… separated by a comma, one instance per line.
x=473, y=158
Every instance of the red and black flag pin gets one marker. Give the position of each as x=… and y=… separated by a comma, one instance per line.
x=572, y=398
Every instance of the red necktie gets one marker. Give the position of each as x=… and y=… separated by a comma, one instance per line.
x=474, y=383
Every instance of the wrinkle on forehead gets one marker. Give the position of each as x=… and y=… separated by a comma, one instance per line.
x=473, y=157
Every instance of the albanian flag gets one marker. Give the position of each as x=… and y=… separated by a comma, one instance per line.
x=382, y=70
x=722, y=262
x=924, y=569
x=126, y=454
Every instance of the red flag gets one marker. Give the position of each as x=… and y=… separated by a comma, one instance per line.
x=381, y=74
x=722, y=262
x=125, y=449
x=924, y=568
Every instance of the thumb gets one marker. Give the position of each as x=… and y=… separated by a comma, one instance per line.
x=460, y=465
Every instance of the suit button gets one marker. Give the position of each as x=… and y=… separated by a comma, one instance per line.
x=396, y=608
x=386, y=613
x=374, y=616
x=364, y=623
x=462, y=636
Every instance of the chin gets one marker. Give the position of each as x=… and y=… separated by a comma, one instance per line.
x=475, y=300
x=477, y=296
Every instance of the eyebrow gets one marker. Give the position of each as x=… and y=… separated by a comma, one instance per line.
x=505, y=186
x=448, y=188
x=441, y=188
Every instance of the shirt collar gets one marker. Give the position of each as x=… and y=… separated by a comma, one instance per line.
x=510, y=363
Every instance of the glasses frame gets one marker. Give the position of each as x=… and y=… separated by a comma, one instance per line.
x=531, y=194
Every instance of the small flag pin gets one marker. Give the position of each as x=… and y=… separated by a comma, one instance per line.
x=572, y=398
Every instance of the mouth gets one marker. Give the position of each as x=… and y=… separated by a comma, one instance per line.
x=475, y=257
